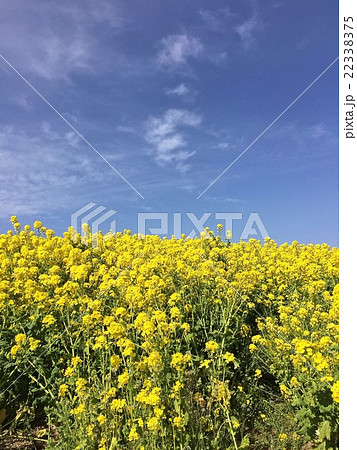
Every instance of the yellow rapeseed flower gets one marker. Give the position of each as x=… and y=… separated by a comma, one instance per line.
x=153, y=424
x=63, y=389
x=101, y=419
x=212, y=346
x=229, y=357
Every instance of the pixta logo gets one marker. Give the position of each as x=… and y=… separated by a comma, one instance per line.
x=93, y=216
x=164, y=223
x=253, y=226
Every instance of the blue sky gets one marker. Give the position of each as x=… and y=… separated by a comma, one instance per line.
x=170, y=93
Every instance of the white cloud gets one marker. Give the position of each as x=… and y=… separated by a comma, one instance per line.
x=295, y=131
x=53, y=40
x=318, y=131
x=72, y=138
x=162, y=133
x=40, y=173
x=180, y=90
x=247, y=32
x=125, y=129
x=46, y=127
x=225, y=22
x=105, y=11
x=166, y=144
x=211, y=20
x=177, y=49
x=223, y=200
x=217, y=20
x=292, y=141
x=23, y=101
x=189, y=187
x=58, y=54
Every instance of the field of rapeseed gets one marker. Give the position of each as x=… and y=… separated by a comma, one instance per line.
x=147, y=343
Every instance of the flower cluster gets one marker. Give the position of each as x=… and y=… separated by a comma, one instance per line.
x=137, y=341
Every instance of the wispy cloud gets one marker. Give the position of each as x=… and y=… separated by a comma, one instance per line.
x=40, y=172
x=72, y=138
x=180, y=90
x=217, y=20
x=294, y=141
x=248, y=30
x=223, y=200
x=58, y=42
x=125, y=129
x=223, y=145
x=23, y=101
x=296, y=131
x=105, y=11
x=177, y=49
x=169, y=143
x=318, y=131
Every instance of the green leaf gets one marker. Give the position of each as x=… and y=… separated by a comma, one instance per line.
x=325, y=431
x=244, y=445
x=236, y=364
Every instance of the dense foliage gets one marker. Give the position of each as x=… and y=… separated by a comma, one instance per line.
x=142, y=343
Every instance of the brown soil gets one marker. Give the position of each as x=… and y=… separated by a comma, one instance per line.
x=12, y=443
